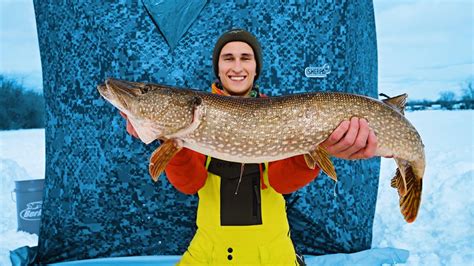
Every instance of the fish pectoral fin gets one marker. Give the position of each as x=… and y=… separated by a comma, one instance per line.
x=321, y=157
x=161, y=156
x=410, y=202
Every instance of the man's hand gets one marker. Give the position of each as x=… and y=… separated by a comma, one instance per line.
x=351, y=140
x=130, y=128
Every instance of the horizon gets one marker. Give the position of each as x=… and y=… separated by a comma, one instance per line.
x=423, y=61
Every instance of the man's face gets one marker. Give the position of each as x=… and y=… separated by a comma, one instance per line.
x=237, y=68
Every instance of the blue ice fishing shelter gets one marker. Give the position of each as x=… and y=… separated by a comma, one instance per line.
x=99, y=201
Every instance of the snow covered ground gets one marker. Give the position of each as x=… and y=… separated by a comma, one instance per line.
x=22, y=157
x=443, y=233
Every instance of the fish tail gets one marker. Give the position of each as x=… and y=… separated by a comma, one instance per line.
x=409, y=189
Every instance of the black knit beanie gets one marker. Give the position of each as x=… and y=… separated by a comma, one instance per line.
x=237, y=35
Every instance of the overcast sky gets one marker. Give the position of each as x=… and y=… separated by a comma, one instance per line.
x=424, y=46
x=19, y=51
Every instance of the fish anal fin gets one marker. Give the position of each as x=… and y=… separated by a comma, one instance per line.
x=398, y=182
x=322, y=158
x=393, y=182
x=161, y=156
x=398, y=102
x=410, y=203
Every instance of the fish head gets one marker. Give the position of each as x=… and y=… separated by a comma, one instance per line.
x=154, y=111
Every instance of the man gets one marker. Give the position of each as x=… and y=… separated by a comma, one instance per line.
x=241, y=213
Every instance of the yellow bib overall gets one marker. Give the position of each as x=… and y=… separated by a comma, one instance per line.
x=267, y=243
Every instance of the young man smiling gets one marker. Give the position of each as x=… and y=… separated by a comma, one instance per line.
x=241, y=214
x=237, y=68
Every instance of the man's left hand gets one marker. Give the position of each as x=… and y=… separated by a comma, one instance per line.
x=352, y=140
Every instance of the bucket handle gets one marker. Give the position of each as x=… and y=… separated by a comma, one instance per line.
x=11, y=196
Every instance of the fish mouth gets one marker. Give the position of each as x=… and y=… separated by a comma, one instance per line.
x=114, y=98
x=103, y=90
x=122, y=87
x=118, y=92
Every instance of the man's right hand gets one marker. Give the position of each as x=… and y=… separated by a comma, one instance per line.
x=130, y=128
x=352, y=140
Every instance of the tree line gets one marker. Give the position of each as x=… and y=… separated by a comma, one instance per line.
x=20, y=108
x=447, y=100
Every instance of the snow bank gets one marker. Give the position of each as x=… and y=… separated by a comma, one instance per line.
x=10, y=171
x=27, y=148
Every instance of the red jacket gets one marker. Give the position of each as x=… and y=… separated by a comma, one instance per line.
x=187, y=172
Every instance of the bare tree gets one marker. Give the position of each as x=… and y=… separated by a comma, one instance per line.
x=447, y=99
x=468, y=95
x=447, y=96
x=468, y=91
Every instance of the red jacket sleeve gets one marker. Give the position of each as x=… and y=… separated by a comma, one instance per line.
x=187, y=171
x=291, y=174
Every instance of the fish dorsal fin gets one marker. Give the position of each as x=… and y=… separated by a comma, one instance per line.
x=398, y=102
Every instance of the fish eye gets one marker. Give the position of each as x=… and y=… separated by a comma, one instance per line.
x=145, y=89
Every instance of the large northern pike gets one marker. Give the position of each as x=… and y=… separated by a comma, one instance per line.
x=256, y=130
